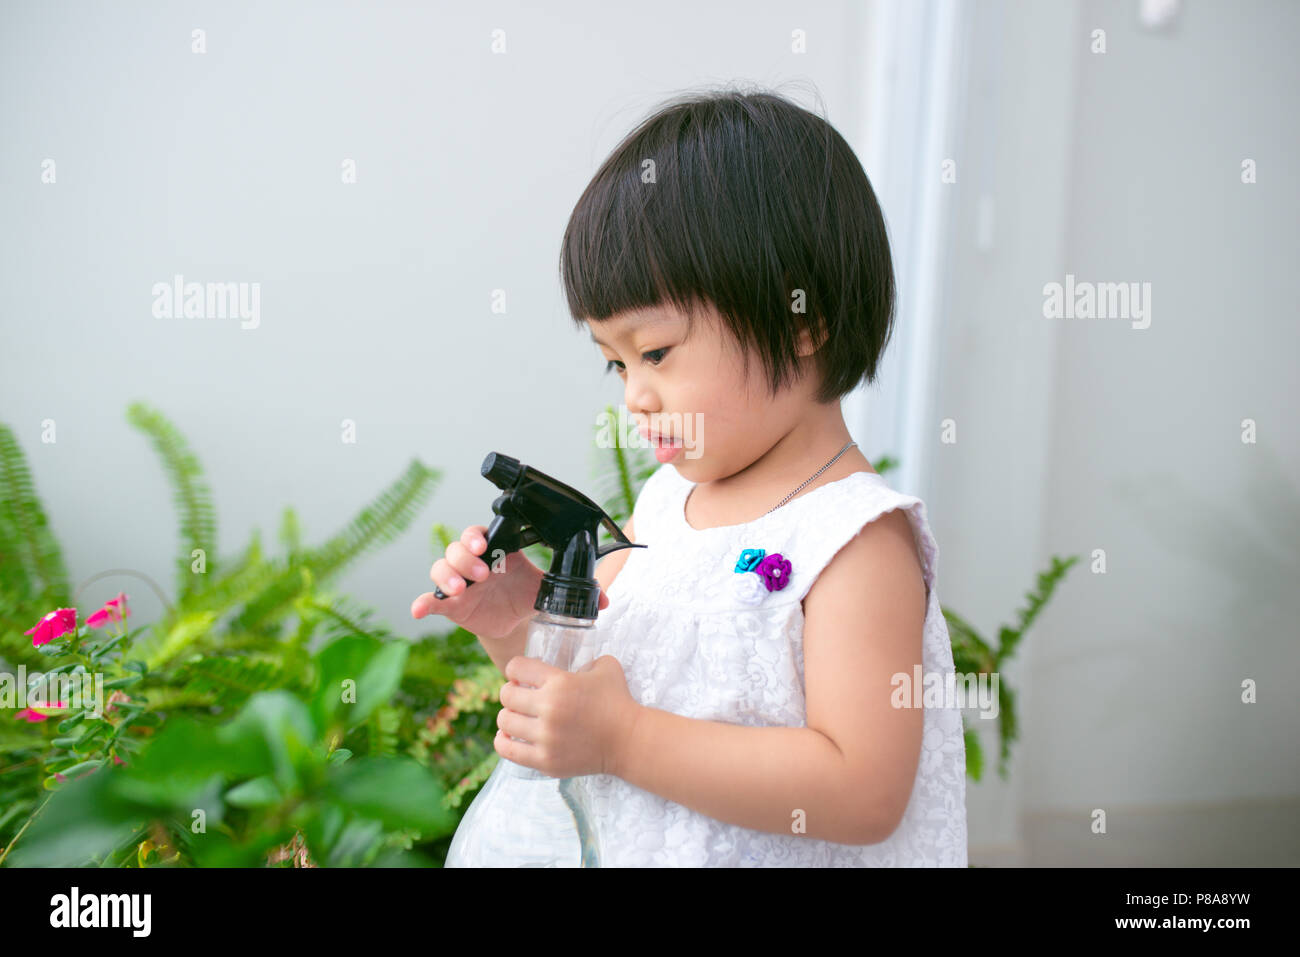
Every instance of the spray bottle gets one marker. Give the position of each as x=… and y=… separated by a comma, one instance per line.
x=522, y=817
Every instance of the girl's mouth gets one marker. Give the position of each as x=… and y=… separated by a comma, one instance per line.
x=666, y=447
x=667, y=450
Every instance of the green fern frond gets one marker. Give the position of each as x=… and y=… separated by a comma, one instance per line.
x=193, y=498
x=285, y=581
x=346, y=617
x=622, y=471
x=31, y=562
x=233, y=584
x=886, y=464
x=234, y=587
x=974, y=753
x=971, y=654
x=471, y=780
x=290, y=531
x=476, y=691
x=620, y=476
x=1008, y=726
x=281, y=583
x=185, y=633
x=459, y=649
x=17, y=649
x=429, y=669
x=1009, y=638
x=381, y=521
x=381, y=729
x=442, y=536
x=228, y=682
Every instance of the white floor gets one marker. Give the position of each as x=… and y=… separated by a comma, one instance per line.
x=1243, y=834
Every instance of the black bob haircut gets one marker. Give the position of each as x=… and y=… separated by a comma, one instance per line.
x=739, y=201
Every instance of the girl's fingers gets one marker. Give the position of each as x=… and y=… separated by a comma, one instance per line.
x=474, y=539
x=518, y=725
x=459, y=564
x=446, y=577
x=469, y=566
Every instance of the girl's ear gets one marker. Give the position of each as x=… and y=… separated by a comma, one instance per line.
x=807, y=344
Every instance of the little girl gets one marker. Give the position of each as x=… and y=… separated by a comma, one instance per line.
x=751, y=704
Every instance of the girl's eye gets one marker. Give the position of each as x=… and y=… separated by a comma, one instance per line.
x=654, y=357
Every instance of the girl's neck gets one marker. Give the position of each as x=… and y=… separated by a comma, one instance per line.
x=792, y=460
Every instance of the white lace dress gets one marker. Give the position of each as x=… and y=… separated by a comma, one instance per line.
x=696, y=638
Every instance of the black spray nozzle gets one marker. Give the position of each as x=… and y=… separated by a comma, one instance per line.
x=534, y=507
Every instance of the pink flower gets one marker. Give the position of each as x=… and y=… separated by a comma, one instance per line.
x=114, y=610
x=33, y=715
x=56, y=623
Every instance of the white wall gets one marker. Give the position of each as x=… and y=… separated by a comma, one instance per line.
x=375, y=297
x=1076, y=435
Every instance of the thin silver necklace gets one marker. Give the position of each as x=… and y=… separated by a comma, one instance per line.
x=814, y=475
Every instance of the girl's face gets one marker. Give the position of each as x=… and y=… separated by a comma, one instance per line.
x=694, y=391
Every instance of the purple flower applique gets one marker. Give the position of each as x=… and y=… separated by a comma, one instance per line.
x=775, y=571
x=771, y=573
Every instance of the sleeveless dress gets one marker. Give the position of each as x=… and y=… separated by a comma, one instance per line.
x=695, y=640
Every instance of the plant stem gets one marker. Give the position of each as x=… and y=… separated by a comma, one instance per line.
x=24, y=827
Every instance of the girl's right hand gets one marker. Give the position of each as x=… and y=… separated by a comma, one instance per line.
x=499, y=601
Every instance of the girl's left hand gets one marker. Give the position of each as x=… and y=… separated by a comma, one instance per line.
x=573, y=723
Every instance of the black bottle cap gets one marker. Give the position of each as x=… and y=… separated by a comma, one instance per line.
x=570, y=597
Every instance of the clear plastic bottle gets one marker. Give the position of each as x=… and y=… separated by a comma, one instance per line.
x=522, y=817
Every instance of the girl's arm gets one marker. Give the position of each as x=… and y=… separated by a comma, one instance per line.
x=845, y=777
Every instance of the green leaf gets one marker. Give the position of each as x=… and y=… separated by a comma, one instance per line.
x=259, y=792
x=183, y=760
x=80, y=768
x=278, y=728
x=70, y=722
x=272, y=735
x=398, y=792
x=98, y=651
x=359, y=841
x=84, y=818
x=123, y=682
x=214, y=848
x=361, y=666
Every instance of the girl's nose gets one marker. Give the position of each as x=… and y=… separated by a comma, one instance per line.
x=639, y=400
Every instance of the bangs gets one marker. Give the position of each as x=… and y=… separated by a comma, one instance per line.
x=745, y=204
